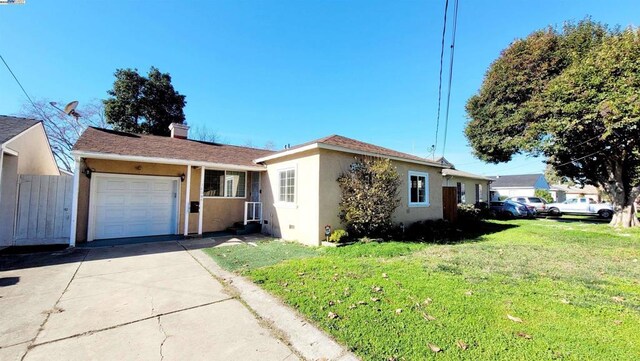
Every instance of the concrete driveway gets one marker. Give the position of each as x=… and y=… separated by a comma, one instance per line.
x=136, y=302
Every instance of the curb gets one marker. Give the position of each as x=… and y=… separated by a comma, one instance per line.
x=305, y=338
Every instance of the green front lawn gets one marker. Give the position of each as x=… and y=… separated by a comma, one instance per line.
x=575, y=287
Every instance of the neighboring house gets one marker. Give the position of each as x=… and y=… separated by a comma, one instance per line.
x=561, y=192
x=517, y=185
x=137, y=185
x=470, y=188
x=25, y=150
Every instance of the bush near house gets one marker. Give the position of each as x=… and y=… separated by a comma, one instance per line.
x=369, y=197
x=338, y=236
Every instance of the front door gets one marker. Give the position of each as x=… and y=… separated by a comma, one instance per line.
x=255, y=187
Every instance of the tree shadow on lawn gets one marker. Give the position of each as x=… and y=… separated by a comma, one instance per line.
x=447, y=233
x=578, y=219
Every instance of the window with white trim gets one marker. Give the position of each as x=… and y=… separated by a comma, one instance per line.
x=418, y=189
x=287, y=185
x=227, y=184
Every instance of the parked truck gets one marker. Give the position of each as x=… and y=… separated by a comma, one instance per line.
x=581, y=206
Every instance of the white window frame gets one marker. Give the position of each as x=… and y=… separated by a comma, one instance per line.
x=224, y=184
x=426, y=189
x=284, y=204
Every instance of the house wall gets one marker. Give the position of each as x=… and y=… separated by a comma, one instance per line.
x=35, y=155
x=333, y=164
x=297, y=222
x=318, y=195
x=219, y=213
x=470, y=188
x=541, y=183
x=514, y=192
x=8, y=194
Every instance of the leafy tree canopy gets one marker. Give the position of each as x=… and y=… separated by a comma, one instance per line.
x=141, y=104
x=573, y=96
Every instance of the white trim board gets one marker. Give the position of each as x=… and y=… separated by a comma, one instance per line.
x=343, y=150
x=131, y=158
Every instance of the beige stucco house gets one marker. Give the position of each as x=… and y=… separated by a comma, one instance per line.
x=25, y=150
x=130, y=185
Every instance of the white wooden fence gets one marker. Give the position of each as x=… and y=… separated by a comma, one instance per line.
x=44, y=210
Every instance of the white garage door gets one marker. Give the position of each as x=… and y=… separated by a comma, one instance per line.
x=132, y=206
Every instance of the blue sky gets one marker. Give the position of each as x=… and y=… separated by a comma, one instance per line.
x=284, y=71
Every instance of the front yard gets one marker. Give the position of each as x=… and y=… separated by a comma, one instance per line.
x=540, y=289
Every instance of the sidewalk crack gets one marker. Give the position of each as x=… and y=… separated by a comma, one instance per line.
x=164, y=340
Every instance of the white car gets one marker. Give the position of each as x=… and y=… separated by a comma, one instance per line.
x=582, y=206
x=537, y=202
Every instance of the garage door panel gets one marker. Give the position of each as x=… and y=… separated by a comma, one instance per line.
x=134, y=206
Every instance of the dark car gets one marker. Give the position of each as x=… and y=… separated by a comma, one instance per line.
x=511, y=209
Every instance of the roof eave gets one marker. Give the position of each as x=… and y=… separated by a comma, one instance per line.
x=344, y=150
x=134, y=158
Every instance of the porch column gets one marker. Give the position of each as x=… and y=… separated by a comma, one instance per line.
x=201, y=209
x=74, y=203
x=187, y=199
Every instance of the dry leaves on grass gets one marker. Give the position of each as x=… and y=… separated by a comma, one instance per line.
x=565, y=301
x=398, y=311
x=514, y=319
x=333, y=315
x=384, y=275
x=618, y=298
x=524, y=335
x=374, y=299
x=428, y=317
x=427, y=301
x=434, y=348
x=462, y=345
x=377, y=289
x=617, y=322
x=468, y=293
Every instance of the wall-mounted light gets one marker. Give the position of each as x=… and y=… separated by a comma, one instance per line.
x=182, y=176
x=87, y=171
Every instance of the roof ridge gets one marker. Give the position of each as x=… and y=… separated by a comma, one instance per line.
x=180, y=139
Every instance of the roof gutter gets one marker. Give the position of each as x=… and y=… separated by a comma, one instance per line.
x=133, y=158
x=344, y=150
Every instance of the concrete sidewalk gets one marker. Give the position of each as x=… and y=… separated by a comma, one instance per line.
x=136, y=302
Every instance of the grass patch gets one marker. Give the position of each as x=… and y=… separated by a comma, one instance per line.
x=575, y=284
x=244, y=257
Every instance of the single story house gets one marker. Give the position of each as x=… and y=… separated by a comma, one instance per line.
x=25, y=150
x=562, y=192
x=470, y=188
x=129, y=185
x=505, y=186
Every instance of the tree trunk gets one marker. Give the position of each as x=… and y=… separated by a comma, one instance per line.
x=625, y=216
x=623, y=196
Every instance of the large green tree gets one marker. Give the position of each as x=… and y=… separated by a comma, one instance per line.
x=573, y=96
x=140, y=104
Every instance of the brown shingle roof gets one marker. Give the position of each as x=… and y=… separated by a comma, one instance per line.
x=12, y=126
x=106, y=141
x=357, y=146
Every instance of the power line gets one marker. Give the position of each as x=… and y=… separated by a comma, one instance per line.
x=453, y=45
x=444, y=31
x=18, y=81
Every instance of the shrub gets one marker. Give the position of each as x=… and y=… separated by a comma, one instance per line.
x=435, y=231
x=369, y=196
x=544, y=194
x=339, y=235
x=468, y=213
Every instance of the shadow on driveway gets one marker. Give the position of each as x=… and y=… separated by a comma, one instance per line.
x=14, y=258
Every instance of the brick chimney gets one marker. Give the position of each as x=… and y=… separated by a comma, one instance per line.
x=179, y=130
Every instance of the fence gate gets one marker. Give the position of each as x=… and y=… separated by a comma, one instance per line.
x=44, y=210
x=450, y=203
